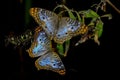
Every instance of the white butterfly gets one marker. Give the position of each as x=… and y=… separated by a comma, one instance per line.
x=48, y=59
x=59, y=29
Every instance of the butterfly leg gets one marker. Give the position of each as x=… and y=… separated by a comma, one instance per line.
x=38, y=29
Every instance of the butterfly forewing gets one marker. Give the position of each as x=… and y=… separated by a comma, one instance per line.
x=67, y=29
x=50, y=61
x=47, y=19
x=40, y=45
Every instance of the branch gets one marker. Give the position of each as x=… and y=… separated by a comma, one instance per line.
x=110, y=3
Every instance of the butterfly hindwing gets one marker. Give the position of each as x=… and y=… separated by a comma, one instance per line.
x=67, y=29
x=47, y=19
x=50, y=61
x=40, y=45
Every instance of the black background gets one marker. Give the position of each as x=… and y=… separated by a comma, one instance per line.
x=86, y=61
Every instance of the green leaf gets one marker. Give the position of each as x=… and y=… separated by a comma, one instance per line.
x=78, y=16
x=89, y=13
x=99, y=28
x=60, y=49
x=98, y=31
x=71, y=15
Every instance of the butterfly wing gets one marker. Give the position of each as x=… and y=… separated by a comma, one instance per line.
x=67, y=29
x=50, y=61
x=40, y=45
x=45, y=18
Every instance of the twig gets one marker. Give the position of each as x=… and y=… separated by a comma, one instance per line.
x=111, y=4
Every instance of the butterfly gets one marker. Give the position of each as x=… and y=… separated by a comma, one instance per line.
x=59, y=29
x=47, y=58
